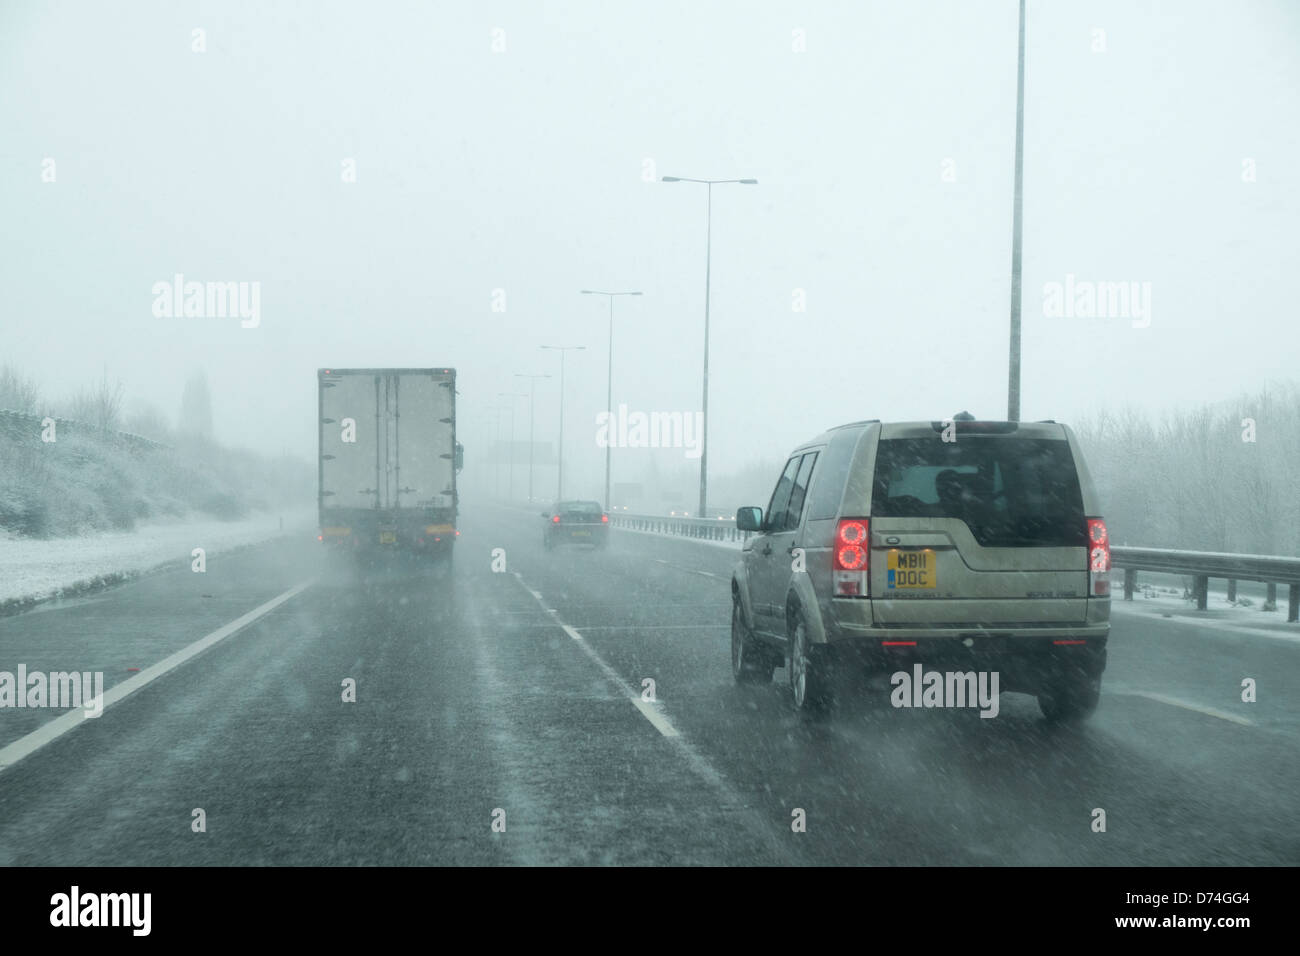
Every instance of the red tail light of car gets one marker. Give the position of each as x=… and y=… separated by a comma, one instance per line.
x=555, y=519
x=849, y=557
x=1098, y=558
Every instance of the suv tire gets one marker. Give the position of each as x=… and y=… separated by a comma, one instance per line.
x=811, y=670
x=749, y=662
x=1071, y=698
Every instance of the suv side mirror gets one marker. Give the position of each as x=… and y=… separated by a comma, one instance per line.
x=749, y=519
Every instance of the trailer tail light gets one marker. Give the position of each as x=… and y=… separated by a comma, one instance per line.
x=1098, y=558
x=849, y=557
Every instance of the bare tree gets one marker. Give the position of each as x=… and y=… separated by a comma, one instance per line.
x=18, y=393
x=99, y=405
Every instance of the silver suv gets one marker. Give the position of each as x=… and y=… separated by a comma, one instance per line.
x=974, y=544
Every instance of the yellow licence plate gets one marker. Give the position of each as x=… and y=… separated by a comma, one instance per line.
x=911, y=570
x=388, y=537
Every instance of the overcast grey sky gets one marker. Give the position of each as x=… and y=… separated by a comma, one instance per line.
x=524, y=169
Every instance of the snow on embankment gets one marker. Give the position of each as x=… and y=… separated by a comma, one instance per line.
x=33, y=570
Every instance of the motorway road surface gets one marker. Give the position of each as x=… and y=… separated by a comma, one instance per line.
x=516, y=696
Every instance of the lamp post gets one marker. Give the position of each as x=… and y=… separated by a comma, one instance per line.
x=609, y=379
x=532, y=401
x=708, y=252
x=495, y=411
x=1013, y=360
x=559, y=490
x=512, y=396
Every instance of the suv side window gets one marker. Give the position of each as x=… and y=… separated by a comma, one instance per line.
x=795, y=509
x=776, y=508
x=828, y=489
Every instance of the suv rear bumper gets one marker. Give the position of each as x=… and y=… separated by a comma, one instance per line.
x=1025, y=659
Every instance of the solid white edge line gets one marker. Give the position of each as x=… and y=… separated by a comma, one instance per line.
x=28, y=744
x=647, y=710
x=1187, y=705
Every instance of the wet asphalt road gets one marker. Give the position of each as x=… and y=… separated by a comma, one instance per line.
x=476, y=702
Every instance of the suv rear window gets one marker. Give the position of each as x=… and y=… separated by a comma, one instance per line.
x=1010, y=492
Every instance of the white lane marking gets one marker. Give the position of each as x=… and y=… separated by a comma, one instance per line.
x=1187, y=705
x=669, y=564
x=649, y=711
x=27, y=745
x=1128, y=610
x=777, y=846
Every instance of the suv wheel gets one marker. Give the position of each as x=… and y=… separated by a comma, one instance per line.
x=810, y=671
x=749, y=663
x=1070, y=699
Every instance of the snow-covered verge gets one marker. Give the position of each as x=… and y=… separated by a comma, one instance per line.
x=33, y=570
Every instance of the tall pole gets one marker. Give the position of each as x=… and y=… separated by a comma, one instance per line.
x=609, y=382
x=512, y=396
x=708, y=257
x=1013, y=364
x=532, y=404
x=559, y=492
x=609, y=398
x=704, y=443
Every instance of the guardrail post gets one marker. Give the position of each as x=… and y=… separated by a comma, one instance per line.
x=1270, y=599
x=1232, y=590
x=1293, y=604
x=1130, y=580
x=1201, y=587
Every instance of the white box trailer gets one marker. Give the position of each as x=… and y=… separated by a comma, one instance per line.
x=388, y=459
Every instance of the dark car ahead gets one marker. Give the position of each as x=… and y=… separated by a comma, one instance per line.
x=575, y=522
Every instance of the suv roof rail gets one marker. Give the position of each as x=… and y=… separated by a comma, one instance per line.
x=865, y=421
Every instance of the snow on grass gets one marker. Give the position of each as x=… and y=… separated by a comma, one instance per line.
x=34, y=569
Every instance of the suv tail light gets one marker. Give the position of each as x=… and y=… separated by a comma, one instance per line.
x=1098, y=558
x=850, y=555
x=604, y=519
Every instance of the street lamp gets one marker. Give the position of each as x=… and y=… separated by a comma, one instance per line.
x=532, y=396
x=708, y=250
x=496, y=411
x=559, y=491
x=609, y=388
x=512, y=396
x=1013, y=359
